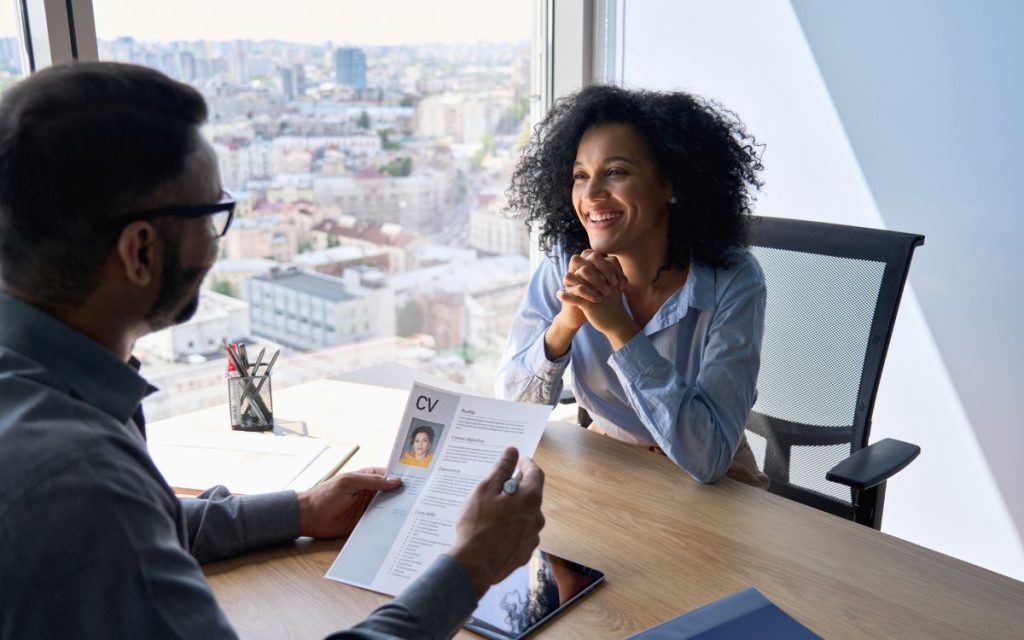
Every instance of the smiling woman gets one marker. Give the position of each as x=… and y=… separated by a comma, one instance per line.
x=648, y=293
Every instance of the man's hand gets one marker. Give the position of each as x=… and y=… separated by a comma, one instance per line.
x=332, y=509
x=497, y=532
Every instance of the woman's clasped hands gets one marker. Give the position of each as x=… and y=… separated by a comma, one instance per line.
x=592, y=292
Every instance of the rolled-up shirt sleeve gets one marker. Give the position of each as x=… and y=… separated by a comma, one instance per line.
x=699, y=426
x=525, y=373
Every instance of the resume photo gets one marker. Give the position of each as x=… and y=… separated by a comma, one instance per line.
x=421, y=442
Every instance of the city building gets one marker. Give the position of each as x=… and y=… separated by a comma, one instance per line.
x=459, y=117
x=265, y=237
x=218, y=318
x=243, y=160
x=345, y=230
x=415, y=202
x=228, y=275
x=306, y=310
x=288, y=84
x=493, y=232
x=350, y=67
x=336, y=260
x=464, y=302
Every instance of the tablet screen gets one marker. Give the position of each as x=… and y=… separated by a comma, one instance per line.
x=531, y=595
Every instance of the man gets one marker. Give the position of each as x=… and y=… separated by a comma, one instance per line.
x=110, y=213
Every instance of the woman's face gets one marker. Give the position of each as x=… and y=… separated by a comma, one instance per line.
x=420, y=444
x=619, y=197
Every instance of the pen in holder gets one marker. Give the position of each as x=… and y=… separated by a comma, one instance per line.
x=250, y=400
x=250, y=403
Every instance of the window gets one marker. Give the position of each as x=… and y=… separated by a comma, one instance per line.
x=363, y=152
x=11, y=63
x=11, y=50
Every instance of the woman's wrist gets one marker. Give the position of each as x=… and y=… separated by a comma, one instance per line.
x=619, y=335
x=558, y=338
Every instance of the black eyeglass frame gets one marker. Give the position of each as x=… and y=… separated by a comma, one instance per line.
x=227, y=203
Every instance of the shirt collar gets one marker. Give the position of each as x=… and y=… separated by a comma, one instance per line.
x=699, y=290
x=90, y=370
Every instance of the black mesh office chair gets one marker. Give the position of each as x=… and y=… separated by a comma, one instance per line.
x=833, y=293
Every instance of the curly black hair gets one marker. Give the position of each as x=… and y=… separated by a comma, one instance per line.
x=699, y=146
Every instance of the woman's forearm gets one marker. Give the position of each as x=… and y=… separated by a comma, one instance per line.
x=558, y=338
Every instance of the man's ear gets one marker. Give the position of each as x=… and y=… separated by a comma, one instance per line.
x=136, y=250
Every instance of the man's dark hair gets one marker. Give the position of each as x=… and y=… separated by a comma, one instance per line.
x=702, y=149
x=80, y=143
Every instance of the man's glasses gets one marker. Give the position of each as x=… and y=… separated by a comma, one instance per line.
x=220, y=214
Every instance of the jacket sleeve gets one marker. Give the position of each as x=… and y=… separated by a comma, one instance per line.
x=432, y=608
x=221, y=525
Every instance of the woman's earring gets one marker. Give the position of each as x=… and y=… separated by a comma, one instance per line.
x=673, y=200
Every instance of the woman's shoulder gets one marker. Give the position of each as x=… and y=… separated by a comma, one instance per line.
x=742, y=273
x=558, y=255
x=743, y=264
x=557, y=259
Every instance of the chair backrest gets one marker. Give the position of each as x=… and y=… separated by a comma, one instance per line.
x=833, y=293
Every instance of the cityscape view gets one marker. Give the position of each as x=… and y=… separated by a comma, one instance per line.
x=10, y=61
x=369, y=225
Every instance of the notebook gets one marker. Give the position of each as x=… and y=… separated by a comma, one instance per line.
x=742, y=615
x=245, y=463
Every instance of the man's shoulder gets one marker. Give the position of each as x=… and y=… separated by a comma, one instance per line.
x=50, y=440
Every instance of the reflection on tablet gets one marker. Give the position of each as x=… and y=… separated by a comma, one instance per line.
x=531, y=595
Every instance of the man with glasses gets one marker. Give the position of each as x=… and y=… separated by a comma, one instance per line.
x=111, y=209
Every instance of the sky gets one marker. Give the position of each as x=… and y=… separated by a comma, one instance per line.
x=316, y=21
x=7, y=22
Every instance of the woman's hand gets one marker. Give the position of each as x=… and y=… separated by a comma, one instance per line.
x=593, y=277
x=594, y=285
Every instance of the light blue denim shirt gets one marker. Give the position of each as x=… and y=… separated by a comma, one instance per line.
x=685, y=383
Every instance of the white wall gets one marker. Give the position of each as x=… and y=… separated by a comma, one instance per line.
x=754, y=58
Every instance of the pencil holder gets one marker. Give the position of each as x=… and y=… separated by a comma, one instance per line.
x=250, y=403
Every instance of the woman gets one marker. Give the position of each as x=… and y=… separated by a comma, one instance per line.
x=648, y=293
x=421, y=443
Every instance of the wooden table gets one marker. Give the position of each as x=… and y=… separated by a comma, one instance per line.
x=666, y=543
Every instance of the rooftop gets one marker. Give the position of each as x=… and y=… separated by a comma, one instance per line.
x=476, y=276
x=336, y=254
x=314, y=284
x=244, y=264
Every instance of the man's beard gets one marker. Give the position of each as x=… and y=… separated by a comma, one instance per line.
x=178, y=299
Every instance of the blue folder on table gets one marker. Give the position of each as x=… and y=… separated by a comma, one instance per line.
x=742, y=615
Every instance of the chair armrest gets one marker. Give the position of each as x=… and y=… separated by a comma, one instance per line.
x=874, y=464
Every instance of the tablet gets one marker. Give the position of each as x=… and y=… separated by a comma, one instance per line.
x=531, y=595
